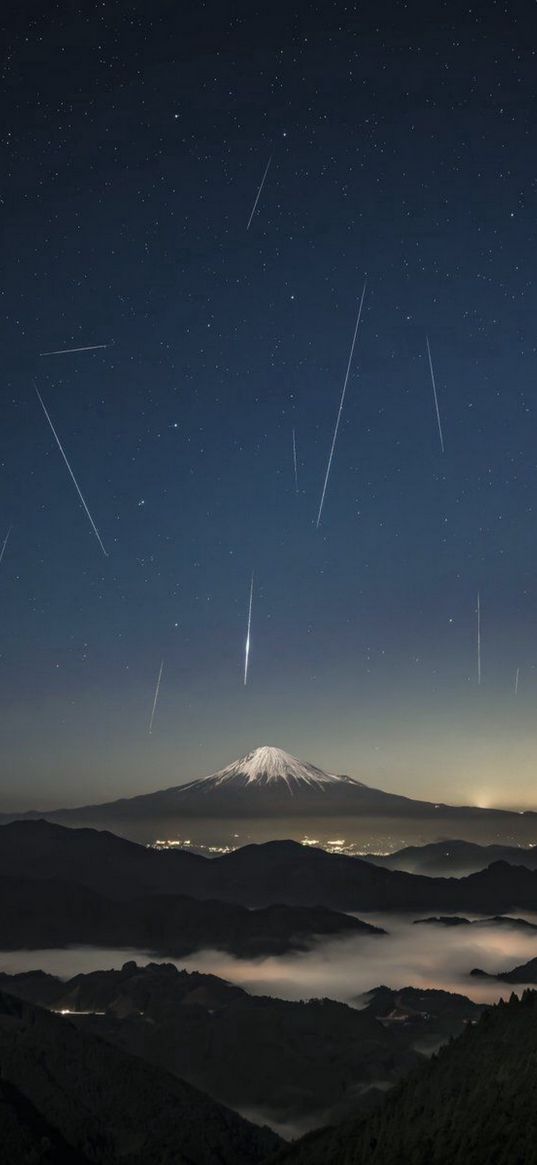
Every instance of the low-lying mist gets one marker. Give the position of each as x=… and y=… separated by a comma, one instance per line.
x=345, y=969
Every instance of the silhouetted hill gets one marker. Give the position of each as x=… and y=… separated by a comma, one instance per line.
x=524, y=973
x=453, y=858
x=256, y=875
x=287, y=1062
x=95, y=858
x=472, y=1104
x=48, y=913
x=504, y=921
x=105, y=1105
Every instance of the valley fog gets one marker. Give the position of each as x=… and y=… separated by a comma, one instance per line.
x=344, y=969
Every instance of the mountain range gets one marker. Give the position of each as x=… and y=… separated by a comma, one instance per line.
x=45, y=912
x=453, y=857
x=276, y=873
x=320, y=1059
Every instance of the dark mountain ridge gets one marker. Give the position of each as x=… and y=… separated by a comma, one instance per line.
x=37, y=913
x=453, y=857
x=524, y=973
x=256, y=875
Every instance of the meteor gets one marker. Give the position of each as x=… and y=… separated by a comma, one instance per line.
x=64, y=455
x=517, y=673
x=247, y=644
x=262, y=183
x=295, y=463
x=156, y=696
x=435, y=396
x=340, y=410
x=4, y=544
x=478, y=613
x=89, y=348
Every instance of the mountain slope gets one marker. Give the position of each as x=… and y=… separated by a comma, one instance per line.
x=26, y=1136
x=111, y=1107
x=473, y=1104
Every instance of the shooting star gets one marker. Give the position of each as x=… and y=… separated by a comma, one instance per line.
x=478, y=613
x=517, y=673
x=247, y=644
x=340, y=410
x=156, y=697
x=261, y=185
x=64, y=455
x=433, y=382
x=4, y=544
x=65, y=351
x=295, y=463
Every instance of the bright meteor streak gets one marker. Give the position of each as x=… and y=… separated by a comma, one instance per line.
x=247, y=644
x=156, y=697
x=4, y=544
x=478, y=613
x=295, y=463
x=433, y=382
x=258, y=195
x=76, y=485
x=64, y=351
x=340, y=410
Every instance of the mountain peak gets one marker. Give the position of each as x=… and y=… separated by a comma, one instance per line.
x=269, y=766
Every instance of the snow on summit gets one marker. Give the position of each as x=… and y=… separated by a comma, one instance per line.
x=272, y=766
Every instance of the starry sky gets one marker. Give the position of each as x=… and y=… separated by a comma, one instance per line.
x=402, y=139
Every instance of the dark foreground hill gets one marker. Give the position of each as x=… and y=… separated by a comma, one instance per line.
x=48, y=913
x=472, y=1104
x=79, y=1099
x=254, y=876
x=294, y=1064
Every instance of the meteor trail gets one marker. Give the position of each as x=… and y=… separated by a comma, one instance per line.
x=77, y=487
x=340, y=410
x=435, y=396
x=5, y=543
x=517, y=673
x=247, y=644
x=262, y=183
x=478, y=612
x=64, y=351
x=295, y=464
x=156, y=696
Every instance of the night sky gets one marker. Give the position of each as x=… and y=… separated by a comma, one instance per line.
x=403, y=146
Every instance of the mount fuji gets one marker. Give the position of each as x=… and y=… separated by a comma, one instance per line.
x=268, y=783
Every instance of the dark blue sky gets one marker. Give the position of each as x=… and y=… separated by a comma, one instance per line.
x=403, y=147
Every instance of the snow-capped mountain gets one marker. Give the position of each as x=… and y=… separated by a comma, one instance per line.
x=269, y=783
x=270, y=768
